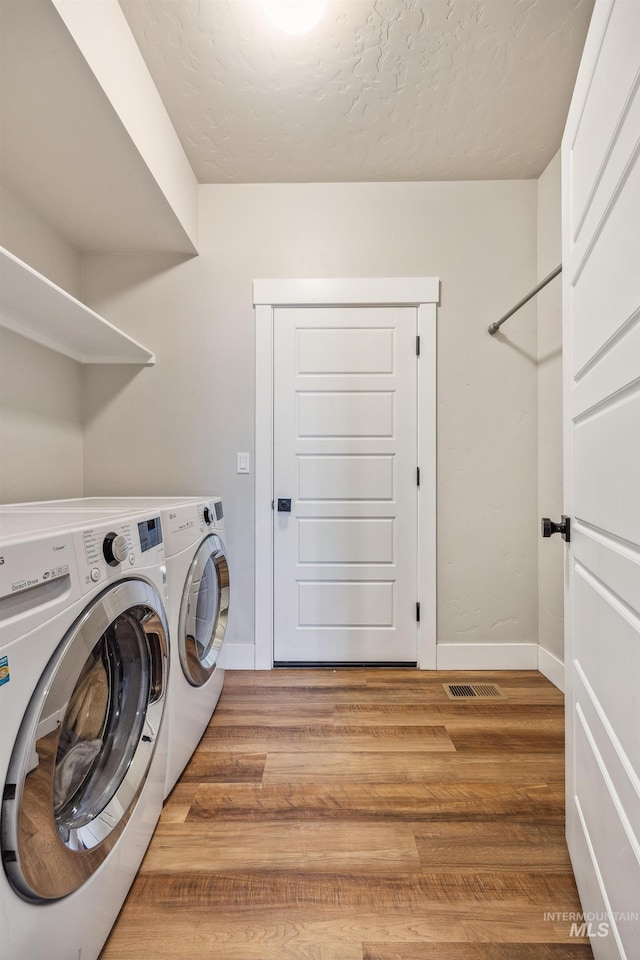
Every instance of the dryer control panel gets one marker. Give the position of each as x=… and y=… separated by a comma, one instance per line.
x=211, y=515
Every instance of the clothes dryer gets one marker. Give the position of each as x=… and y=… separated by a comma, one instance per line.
x=198, y=606
x=198, y=601
x=84, y=656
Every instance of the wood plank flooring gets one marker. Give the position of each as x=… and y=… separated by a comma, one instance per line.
x=362, y=815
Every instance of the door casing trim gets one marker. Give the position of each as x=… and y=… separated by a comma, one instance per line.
x=420, y=292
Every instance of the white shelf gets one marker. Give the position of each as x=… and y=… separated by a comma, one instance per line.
x=36, y=308
x=101, y=165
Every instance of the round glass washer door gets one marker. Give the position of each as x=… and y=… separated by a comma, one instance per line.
x=204, y=611
x=85, y=744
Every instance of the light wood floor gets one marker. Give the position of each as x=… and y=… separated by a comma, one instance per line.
x=362, y=815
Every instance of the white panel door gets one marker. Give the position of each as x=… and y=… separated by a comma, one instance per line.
x=601, y=256
x=345, y=454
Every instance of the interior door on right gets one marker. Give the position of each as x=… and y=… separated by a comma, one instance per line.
x=601, y=287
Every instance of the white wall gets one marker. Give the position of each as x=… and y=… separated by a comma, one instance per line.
x=176, y=427
x=25, y=234
x=549, y=307
x=41, y=413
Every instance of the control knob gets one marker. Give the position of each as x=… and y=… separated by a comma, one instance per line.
x=115, y=548
x=208, y=518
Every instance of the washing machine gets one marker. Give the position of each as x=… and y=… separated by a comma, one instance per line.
x=84, y=666
x=197, y=604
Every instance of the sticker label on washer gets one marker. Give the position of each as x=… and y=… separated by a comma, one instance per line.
x=53, y=574
x=4, y=670
x=180, y=520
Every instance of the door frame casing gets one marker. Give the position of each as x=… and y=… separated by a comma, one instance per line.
x=268, y=295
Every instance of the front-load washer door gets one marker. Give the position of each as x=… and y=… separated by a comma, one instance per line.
x=204, y=611
x=85, y=744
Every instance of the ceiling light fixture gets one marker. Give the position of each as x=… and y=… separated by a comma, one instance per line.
x=295, y=16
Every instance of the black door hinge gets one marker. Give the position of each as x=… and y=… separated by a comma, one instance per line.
x=418, y=475
x=418, y=612
x=272, y=504
x=417, y=346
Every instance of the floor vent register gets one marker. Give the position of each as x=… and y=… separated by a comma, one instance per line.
x=473, y=691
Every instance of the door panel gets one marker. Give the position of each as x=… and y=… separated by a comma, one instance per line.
x=602, y=316
x=607, y=490
x=354, y=477
x=599, y=614
x=333, y=414
x=359, y=604
x=601, y=287
x=345, y=541
x=604, y=823
x=345, y=350
x=615, y=76
x=612, y=761
x=345, y=451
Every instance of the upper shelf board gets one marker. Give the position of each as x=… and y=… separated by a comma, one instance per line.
x=37, y=309
x=107, y=183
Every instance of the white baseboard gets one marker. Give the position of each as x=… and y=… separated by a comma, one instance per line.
x=487, y=656
x=449, y=656
x=551, y=667
x=238, y=656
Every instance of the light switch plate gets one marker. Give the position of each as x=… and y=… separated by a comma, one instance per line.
x=242, y=463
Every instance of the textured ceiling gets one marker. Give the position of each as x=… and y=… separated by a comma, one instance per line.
x=380, y=90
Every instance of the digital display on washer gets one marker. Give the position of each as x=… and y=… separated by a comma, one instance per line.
x=150, y=532
x=219, y=513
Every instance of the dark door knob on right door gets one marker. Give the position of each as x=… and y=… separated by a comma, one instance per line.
x=549, y=527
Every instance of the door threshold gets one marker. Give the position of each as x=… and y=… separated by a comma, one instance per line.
x=334, y=664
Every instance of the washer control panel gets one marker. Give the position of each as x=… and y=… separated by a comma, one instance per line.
x=149, y=533
x=115, y=547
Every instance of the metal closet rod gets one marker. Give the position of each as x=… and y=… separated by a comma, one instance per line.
x=494, y=327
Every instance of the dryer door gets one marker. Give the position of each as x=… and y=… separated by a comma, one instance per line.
x=204, y=611
x=86, y=742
